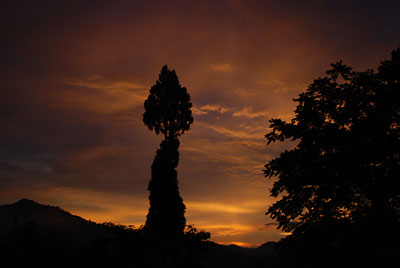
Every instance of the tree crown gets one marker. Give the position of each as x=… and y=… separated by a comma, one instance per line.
x=167, y=108
x=346, y=164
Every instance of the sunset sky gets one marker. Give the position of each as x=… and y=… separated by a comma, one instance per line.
x=74, y=76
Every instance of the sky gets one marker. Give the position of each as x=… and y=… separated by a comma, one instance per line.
x=74, y=76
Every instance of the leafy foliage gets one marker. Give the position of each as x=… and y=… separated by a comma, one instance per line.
x=346, y=165
x=168, y=106
x=193, y=234
x=167, y=210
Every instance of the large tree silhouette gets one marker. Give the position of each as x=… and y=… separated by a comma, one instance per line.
x=343, y=178
x=167, y=111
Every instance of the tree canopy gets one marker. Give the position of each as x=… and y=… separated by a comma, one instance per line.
x=167, y=108
x=346, y=165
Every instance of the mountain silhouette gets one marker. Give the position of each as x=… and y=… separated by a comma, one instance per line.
x=31, y=233
x=51, y=224
x=235, y=256
x=47, y=217
x=34, y=234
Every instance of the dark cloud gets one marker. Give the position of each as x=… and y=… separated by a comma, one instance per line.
x=25, y=163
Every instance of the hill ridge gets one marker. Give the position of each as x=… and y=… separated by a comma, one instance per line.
x=30, y=228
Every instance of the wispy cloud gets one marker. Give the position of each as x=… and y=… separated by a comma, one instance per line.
x=221, y=67
x=104, y=95
x=246, y=112
x=271, y=82
x=241, y=91
x=281, y=86
x=112, y=87
x=215, y=108
x=211, y=207
x=197, y=111
x=229, y=132
x=230, y=229
x=249, y=113
x=285, y=233
x=24, y=163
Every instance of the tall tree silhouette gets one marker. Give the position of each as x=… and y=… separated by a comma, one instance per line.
x=167, y=111
x=344, y=173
